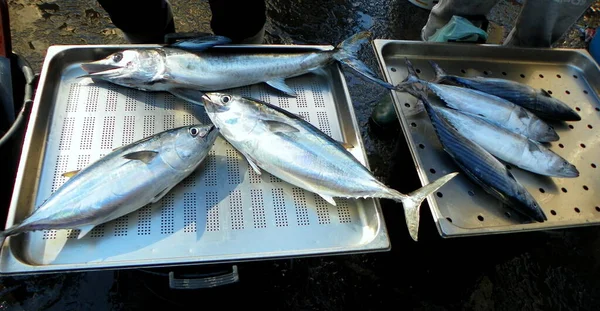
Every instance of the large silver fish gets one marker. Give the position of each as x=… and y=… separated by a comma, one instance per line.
x=188, y=68
x=535, y=100
x=482, y=167
x=121, y=182
x=495, y=109
x=508, y=146
x=283, y=144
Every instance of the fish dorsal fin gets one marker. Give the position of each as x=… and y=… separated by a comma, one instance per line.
x=70, y=173
x=281, y=127
x=145, y=156
x=545, y=93
x=328, y=198
x=193, y=96
x=200, y=43
x=279, y=84
x=85, y=230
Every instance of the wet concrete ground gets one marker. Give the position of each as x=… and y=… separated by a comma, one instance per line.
x=551, y=270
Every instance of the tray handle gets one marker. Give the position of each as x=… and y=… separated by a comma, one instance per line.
x=199, y=281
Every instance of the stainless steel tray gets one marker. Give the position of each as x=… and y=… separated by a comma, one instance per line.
x=223, y=212
x=463, y=208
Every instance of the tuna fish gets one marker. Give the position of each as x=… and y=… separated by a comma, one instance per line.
x=121, y=182
x=288, y=147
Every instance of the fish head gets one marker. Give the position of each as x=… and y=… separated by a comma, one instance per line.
x=233, y=115
x=542, y=131
x=130, y=68
x=557, y=106
x=191, y=145
x=562, y=167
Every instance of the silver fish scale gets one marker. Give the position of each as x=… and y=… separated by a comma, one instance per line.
x=223, y=211
x=462, y=208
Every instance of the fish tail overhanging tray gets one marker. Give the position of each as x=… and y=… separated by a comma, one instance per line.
x=461, y=207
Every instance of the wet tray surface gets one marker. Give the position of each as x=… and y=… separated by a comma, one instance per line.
x=222, y=212
x=461, y=207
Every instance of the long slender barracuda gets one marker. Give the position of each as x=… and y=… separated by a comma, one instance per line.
x=188, y=68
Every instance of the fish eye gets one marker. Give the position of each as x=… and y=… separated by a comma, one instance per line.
x=194, y=132
x=225, y=99
x=117, y=57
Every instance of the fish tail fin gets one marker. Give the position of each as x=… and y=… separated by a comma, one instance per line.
x=440, y=74
x=412, y=202
x=346, y=53
x=412, y=84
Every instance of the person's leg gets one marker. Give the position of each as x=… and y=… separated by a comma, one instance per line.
x=443, y=11
x=242, y=21
x=142, y=21
x=542, y=22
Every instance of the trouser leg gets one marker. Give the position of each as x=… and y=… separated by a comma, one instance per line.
x=443, y=11
x=240, y=20
x=542, y=22
x=142, y=21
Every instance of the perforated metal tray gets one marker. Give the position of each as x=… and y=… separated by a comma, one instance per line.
x=463, y=208
x=223, y=212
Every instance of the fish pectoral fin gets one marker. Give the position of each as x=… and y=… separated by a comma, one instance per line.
x=319, y=71
x=280, y=85
x=328, y=198
x=190, y=95
x=252, y=164
x=200, y=43
x=145, y=156
x=71, y=173
x=160, y=195
x=277, y=126
x=85, y=230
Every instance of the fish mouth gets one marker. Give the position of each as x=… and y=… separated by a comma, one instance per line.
x=98, y=69
x=570, y=171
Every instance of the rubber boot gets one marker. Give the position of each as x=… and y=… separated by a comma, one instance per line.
x=154, y=37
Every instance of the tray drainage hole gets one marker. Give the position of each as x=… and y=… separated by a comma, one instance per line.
x=413, y=124
x=577, y=210
x=418, y=70
x=553, y=212
x=508, y=166
x=449, y=219
x=571, y=126
x=564, y=189
x=393, y=69
x=432, y=171
x=439, y=194
x=585, y=91
x=597, y=208
x=585, y=188
x=480, y=217
x=421, y=146
x=559, y=76
x=463, y=71
x=471, y=193
x=407, y=105
x=590, y=126
x=582, y=145
x=575, y=76
x=541, y=76
x=507, y=214
x=550, y=92
x=561, y=145
x=597, y=109
x=542, y=190
x=522, y=76
x=504, y=73
x=593, y=165
x=567, y=91
x=577, y=108
x=485, y=72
